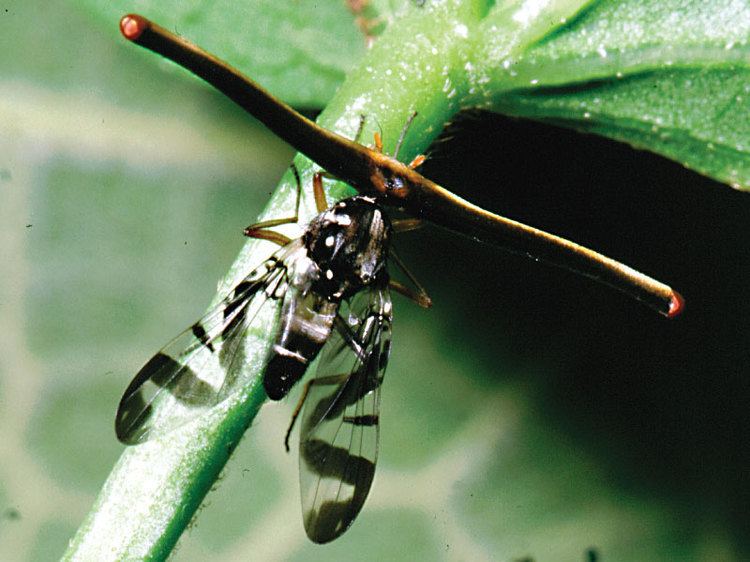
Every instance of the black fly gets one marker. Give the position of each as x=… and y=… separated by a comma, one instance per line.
x=328, y=290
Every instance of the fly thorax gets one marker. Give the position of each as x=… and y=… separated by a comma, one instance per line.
x=302, y=271
x=349, y=245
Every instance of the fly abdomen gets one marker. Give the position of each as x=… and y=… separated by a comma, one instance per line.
x=305, y=325
x=284, y=369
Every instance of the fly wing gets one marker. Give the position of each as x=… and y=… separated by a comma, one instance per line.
x=340, y=421
x=206, y=363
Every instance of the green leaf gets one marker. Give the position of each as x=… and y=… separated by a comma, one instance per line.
x=300, y=51
x=668, y=76
x=553, y=56
x=707, y=130
x=438, y=59
x=627, y=36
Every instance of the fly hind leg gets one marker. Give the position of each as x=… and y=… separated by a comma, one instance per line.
x=330, y=380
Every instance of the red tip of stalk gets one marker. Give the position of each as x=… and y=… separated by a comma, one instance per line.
x=132, y=25
x=676, y=306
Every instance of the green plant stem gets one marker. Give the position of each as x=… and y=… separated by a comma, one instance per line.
x=155, y=488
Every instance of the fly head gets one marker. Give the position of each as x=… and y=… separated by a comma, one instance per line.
x=349, y=243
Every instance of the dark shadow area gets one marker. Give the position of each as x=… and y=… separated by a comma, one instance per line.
x=662, y=404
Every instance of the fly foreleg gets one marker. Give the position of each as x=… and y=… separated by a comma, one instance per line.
x=261, y=230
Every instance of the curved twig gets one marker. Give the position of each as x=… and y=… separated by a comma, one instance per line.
x=371, y=172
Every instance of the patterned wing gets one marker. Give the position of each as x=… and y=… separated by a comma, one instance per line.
x=207, y=362
x=340, y=421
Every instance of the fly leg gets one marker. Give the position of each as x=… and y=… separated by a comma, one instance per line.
x=332, y=409
x=360, y=128
x=418, y=160
x=321, y=204
x=407, y=225
x=331, y=380
x=418, y=294
x=402, y=136
x=261, y=230
x=320, y=195
x=420, y=298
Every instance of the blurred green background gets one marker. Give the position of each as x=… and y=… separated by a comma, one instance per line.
x=530, y=413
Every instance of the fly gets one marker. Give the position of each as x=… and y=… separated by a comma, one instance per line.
x=327, y=294
x=328, y=291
